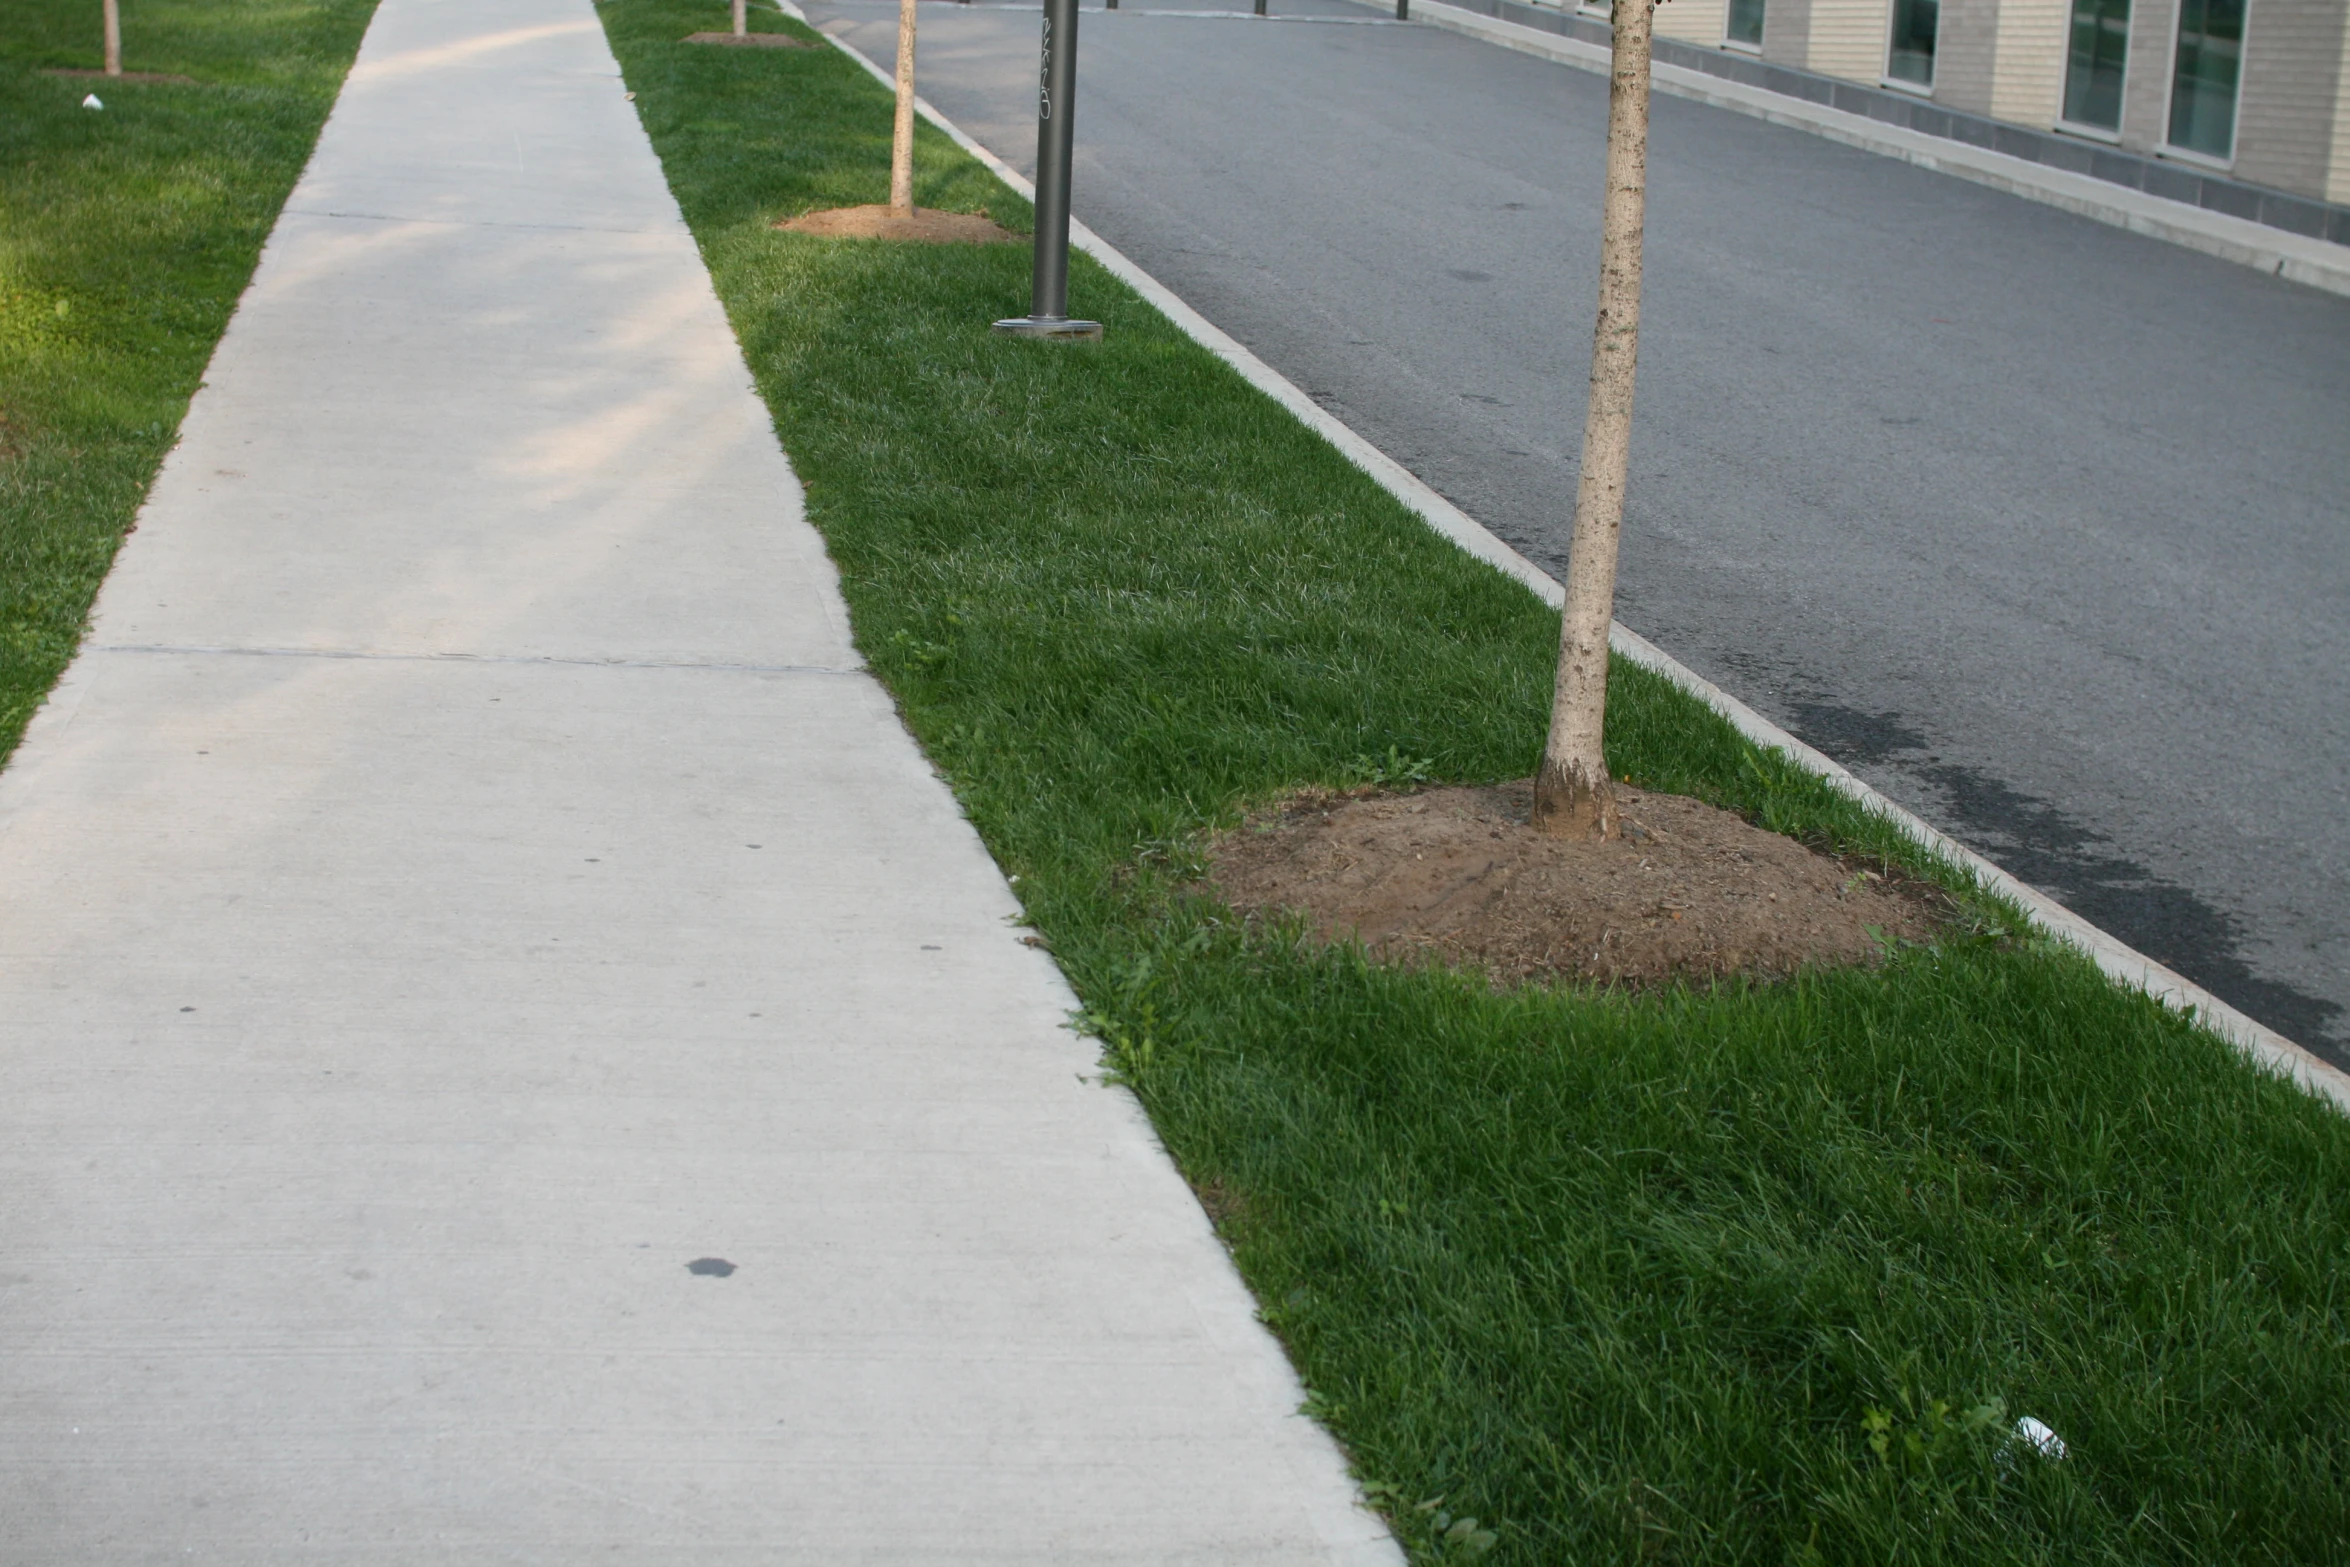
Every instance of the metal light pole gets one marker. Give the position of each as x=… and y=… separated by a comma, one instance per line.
x=1048, y=308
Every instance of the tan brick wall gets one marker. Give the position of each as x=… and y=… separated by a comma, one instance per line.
x=1787, y=32
x=2285, y=102
x=2338, y=170
x=2027, y=74
x=2005, y=58
x=2146, y=90
x=1848, y=39
x=1966, y=41
x=1698, y=21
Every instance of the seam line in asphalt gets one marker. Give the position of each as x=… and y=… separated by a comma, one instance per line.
x=2315, y=263
x=476, y=658
x=2263, y=1046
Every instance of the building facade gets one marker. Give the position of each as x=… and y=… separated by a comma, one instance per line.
x=2257, y=91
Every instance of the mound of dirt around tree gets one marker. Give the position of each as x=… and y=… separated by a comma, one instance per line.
x=926, y=226
x=1686, y=892
x=750, y=40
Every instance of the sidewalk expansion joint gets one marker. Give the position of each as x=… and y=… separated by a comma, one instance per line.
x=473, y=223
x=711, y=665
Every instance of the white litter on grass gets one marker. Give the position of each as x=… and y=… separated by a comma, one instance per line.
x=91, y=102
x=2035, y=1435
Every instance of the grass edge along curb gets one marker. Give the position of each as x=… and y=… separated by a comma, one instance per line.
x=1756, y=1266
x=2124, y=964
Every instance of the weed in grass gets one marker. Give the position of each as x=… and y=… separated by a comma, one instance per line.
x=1593, y=1276
x=1392, y=771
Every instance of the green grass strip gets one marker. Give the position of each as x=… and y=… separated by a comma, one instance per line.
x=126, y=235
x=1734, y=1274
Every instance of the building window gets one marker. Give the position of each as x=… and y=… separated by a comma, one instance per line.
x=1911, y=59
x=2093, y=65
x=1745, y=23
x=2203, y=81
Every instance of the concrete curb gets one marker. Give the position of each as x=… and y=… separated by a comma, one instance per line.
x=2263, y=1046
x=2290, y=256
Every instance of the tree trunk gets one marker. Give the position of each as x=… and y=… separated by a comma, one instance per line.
x=742, y=21
x=113, y=37
x=1573, y=795
x=901, y=147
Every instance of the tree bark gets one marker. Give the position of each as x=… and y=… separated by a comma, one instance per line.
x=742, y=21
x=1573, y=795
x=113, y=37
x=901, y=147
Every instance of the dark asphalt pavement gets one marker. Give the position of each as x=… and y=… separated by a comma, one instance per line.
x=2041, y=527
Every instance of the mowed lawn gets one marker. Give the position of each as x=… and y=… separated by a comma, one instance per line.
x=1742, y=1274
x=1750, y=1273
x=126, y=234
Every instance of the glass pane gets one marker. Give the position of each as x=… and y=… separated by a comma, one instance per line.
x=1745, y=24
x=2203, y=87
x=1912, y=56
x=2093, y=66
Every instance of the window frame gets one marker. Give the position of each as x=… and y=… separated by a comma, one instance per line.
x=1887, y=79
x=2165, y=148
x=1740, y=44
x=2089, y=130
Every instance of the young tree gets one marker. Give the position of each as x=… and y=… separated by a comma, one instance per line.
x=1573, y=795
x=742, y=20
x=113, y=37
x=901, y=149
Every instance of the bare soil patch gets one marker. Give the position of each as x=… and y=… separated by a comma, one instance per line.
x=750, y=40
x=927, y=226
x=125, y=76
x=1456, y=875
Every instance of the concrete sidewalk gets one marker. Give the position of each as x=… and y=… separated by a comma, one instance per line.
x=511, y=1056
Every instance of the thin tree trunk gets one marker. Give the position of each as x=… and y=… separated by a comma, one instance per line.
x=901, y=148
x=1573, y=796
x=742, y=20
x=113, y=37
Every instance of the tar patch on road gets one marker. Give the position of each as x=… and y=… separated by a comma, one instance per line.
x=2035, y=842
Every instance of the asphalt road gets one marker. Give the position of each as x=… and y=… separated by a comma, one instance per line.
x=2041, y=527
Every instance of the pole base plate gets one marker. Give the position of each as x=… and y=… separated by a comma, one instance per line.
x=1055, y=329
